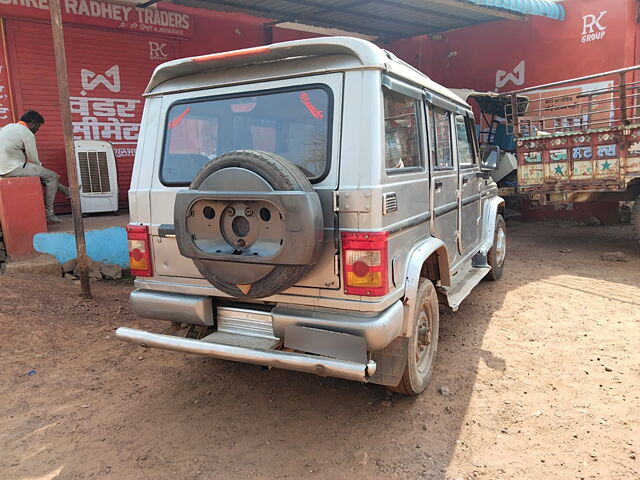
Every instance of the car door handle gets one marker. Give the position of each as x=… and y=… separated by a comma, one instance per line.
x=465, y=180
x=438, y=184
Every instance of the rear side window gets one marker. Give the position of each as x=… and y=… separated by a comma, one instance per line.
x=294, y=124
x=465, y=145
x=402, y=144
x=441, y=137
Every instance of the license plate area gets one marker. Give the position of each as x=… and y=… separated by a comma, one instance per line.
x=241, y=321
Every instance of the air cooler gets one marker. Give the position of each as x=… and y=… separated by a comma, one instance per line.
x=97, y=176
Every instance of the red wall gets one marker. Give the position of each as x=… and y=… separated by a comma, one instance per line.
x=551, y=50
x=99, y=47
x=219, y=31
x=100, y=110
x=471, y=57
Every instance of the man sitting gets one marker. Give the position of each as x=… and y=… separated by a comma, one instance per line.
x=19, y=158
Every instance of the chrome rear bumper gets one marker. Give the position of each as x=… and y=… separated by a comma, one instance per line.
x=378, y=329
x=323, y=366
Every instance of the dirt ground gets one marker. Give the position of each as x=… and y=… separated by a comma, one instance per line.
x=542, y=369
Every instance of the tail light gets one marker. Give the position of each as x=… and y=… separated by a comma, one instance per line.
x=364, y=257
x=139, y=250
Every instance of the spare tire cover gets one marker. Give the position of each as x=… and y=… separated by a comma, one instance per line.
x=251, y=222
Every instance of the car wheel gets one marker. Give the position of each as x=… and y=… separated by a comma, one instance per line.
x=498, y=252
x=423, y=343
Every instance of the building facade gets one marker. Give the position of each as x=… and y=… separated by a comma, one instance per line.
x=112, y=50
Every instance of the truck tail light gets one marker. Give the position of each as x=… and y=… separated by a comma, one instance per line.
x=364, y=257
x=139, y=250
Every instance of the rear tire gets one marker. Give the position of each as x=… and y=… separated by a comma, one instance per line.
x=498, y=252
x=423, y=342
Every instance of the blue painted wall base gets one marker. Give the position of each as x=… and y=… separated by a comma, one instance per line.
x=107, y=246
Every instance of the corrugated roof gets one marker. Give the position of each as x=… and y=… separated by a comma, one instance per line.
x=386, y=19
x=543, y=8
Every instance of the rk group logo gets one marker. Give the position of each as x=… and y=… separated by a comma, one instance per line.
x=592, y=29
x=156, y=51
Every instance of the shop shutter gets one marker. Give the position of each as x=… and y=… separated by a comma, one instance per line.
x=108, y=71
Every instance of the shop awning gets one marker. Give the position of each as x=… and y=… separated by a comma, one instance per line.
x=386, y=19
x=543, y=8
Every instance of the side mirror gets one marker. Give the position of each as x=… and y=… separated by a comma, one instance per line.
x=490, y=157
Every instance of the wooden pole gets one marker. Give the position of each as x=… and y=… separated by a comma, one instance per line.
x=72, y=171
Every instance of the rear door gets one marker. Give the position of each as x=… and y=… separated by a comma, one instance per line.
x=444, y=179
x=469, y=183
x=298, y=120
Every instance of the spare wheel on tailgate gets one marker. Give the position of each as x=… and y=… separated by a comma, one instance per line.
x=251, y=222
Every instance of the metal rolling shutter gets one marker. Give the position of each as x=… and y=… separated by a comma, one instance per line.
x=95, y=51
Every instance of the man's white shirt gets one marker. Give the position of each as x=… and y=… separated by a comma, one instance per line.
x=17, y=145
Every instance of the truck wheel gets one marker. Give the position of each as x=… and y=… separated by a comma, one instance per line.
x=498, y=252
x=248, y=246
x=635, y=218
x=423, y=342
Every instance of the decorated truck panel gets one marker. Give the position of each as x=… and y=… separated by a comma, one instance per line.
x=579, y=139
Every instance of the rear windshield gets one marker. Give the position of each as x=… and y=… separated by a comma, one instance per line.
x=293, y=124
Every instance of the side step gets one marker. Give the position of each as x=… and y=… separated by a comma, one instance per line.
x=463, y=288
x=301, y=362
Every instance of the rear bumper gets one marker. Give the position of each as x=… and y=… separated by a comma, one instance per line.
x=315, y=364
x=174, y=307
x=378, y=330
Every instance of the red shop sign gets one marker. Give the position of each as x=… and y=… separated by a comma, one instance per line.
x=156, y=21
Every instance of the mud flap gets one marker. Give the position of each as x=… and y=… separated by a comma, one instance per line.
x=390, y=362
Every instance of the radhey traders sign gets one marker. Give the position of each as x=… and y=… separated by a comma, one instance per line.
x=104, y=14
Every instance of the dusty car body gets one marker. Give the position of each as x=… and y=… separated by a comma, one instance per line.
x=308, y=205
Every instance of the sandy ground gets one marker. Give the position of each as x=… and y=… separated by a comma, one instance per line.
x=542, y=369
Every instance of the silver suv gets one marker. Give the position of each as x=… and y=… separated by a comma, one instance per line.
x=308, y=205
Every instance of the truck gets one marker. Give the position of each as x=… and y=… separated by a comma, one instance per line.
x=579, y=140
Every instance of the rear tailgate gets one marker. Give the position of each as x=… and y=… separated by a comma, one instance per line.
x=205, y=138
